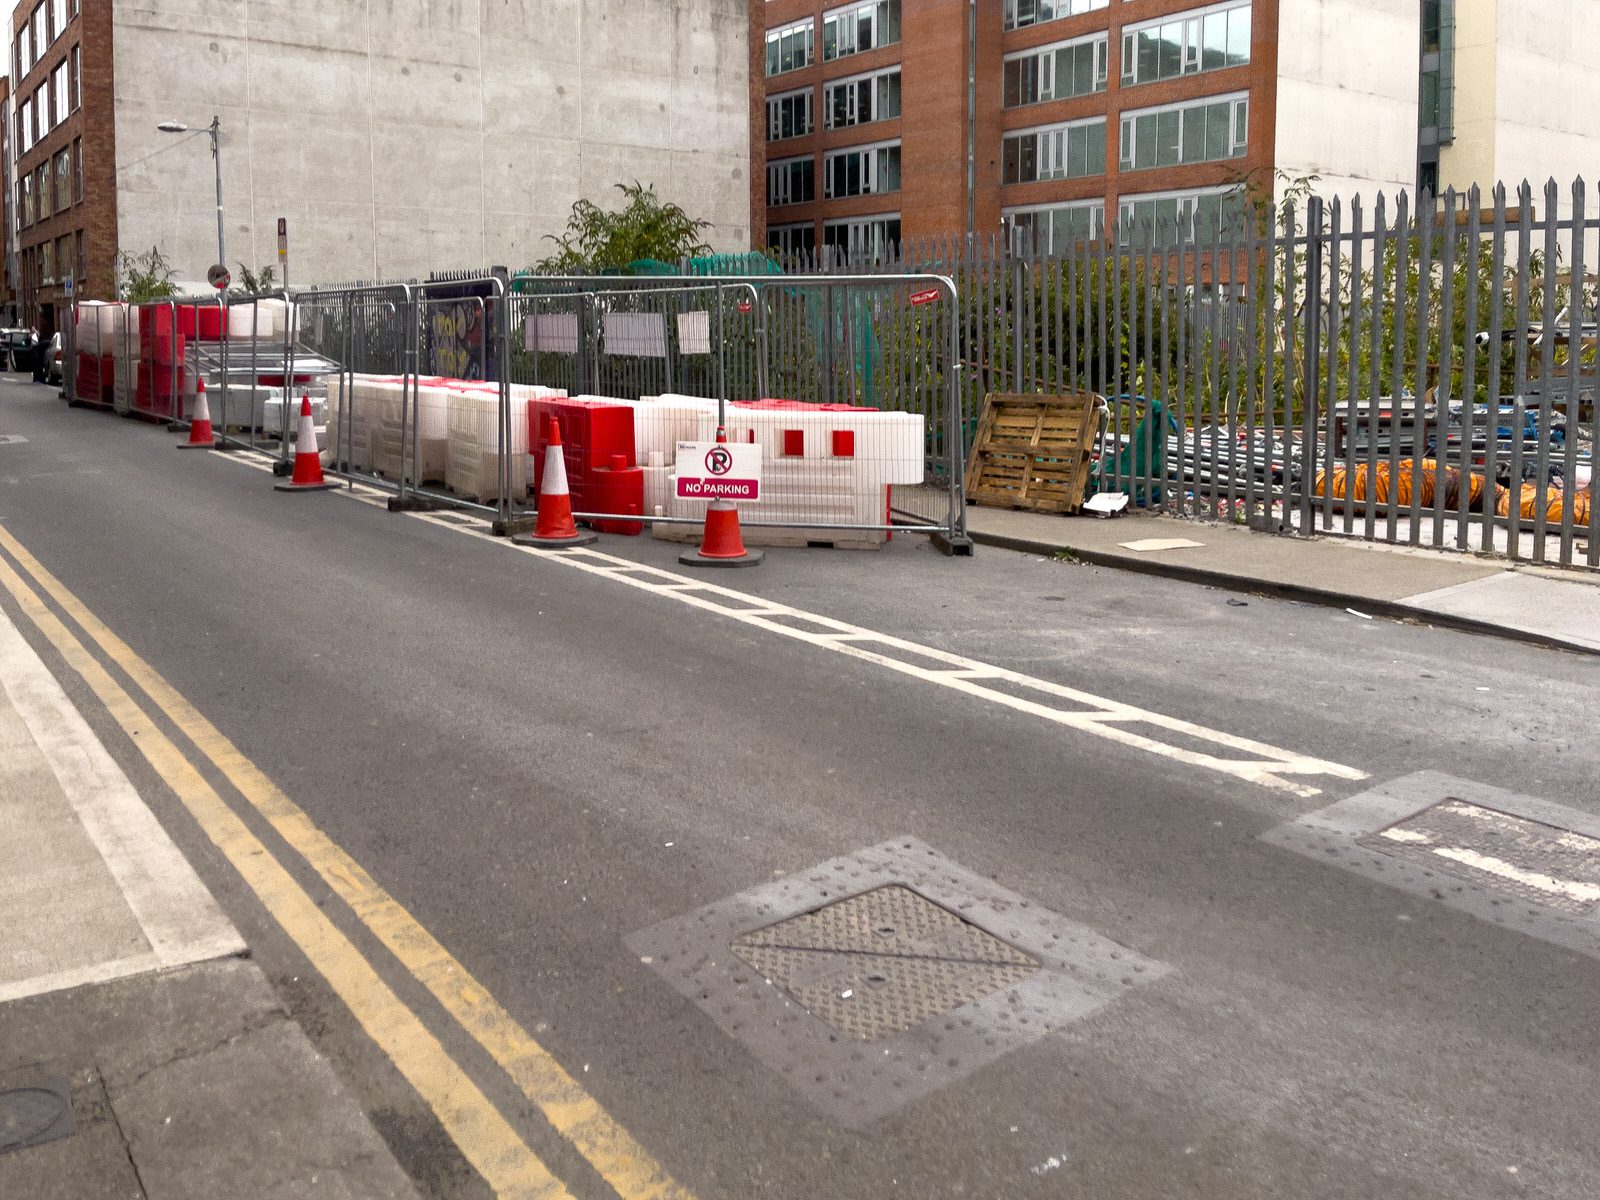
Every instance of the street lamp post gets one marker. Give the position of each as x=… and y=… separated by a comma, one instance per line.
x=215, y=129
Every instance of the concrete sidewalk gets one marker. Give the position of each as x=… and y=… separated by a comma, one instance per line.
x=140, y=1055
x=1539, y=605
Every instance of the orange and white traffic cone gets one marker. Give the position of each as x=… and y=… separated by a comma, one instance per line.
x=200, y=435
x=721, y=545
x=554, y=528
x=307, y=475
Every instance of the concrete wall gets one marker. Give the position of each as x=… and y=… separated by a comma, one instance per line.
x=399, y=136
x=1347, y=94
x=1527, y=89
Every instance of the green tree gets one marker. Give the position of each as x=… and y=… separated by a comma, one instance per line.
x=146, y=276
x=644, y=227
x=255, y=283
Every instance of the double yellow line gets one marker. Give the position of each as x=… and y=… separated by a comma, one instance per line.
x=485, y=1138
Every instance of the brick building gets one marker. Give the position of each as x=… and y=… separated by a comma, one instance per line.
x=9, y=315
x=65, y=199
x=891, y=118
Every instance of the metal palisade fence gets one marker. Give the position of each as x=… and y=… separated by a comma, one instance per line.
x=1418, y=373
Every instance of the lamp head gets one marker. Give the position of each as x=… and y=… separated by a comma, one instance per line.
x=173, y=127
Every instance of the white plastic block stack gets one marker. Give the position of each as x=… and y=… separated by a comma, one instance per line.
x=272, y=413
x=829, y=481
x=94, y=327
x=472, y=467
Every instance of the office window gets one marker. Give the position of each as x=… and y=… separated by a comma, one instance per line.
x=1199, y=131
x=77, y=168
x=41, y=190
x=861, y=99
x=76, y=82
x=65, y=264
x=1056, y=152
x=1207, y=40
x=41, y=37
x=858, y=27
x=861, y=171
x=1055, y=72
x=63, y=181
x=792, y=239
x=1052, y=228
x=41, y=110
x=78, y=259
x=790, y=48
x=791, y=181
x=25, y=200
x=25, y=127
x=47, y=263
x=789, y=115
x=59, y=23
x=58, y=94
x=72, y=9
x=862, y=237
x=1182, y=215
x=1021, y=13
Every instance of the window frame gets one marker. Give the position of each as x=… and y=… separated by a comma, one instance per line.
x=853, y=85
x=880, y=17
x=1043, y=64
x=1046, y=148
x=1142, y=127
x=782, y=164
x=776, y=37
x=1190, y=54
x=1045, y=11
x=873, y=157
x=774, y=106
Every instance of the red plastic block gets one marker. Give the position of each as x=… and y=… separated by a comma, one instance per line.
x=593, y=434
x=794, y=443
x=618, y=488
x=844, y=443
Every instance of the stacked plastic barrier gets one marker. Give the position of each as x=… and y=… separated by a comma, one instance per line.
x=163, y=381
x=472, y=466
x=598, y=449
x=95, y=325
x=821, y=465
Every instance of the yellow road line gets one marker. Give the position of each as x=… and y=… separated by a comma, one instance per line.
x=618, y=1157
x=485, y=1138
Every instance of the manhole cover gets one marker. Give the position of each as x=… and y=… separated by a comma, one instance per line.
x=31, y=1115
x=882, y=962
x=1540, y=863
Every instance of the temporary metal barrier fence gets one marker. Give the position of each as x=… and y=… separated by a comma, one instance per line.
x=847, y=381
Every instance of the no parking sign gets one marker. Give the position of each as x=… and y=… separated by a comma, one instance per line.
x=719, y=471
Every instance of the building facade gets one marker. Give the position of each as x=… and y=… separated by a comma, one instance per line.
x=907, y=118
x=63, y=196
x=394, y=141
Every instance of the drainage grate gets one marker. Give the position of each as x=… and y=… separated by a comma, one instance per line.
x=882, y=962
x=1540, y=863
x=30, y=1116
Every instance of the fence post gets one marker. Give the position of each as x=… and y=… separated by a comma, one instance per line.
x=1311, y=403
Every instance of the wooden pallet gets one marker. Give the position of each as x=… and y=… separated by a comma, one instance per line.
x=1033, y=451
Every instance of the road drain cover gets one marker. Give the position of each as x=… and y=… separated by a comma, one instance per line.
x=1543, y=864
x=882, y=962
x=30, y=1116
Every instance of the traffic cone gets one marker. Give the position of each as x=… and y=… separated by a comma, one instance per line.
x=554, y=527
x=200, y=435
x=722, y=545
x=307, y=475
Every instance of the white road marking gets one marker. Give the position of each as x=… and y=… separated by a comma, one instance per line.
x=1260, y=763
x=1586, y=893
x=1406, y=835
x=177, y=916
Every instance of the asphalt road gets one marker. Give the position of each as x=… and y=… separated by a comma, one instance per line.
x=540, y=761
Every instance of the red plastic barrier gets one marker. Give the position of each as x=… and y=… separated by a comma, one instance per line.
x=616, y=488
x=157, y=389
x=158, y=323
x=89, y=378
x=593, y=434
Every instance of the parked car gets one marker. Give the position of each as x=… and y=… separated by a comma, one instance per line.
x=14, y=350
x=52, y=362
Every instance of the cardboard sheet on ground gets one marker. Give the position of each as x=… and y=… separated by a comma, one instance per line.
x=1160, y=544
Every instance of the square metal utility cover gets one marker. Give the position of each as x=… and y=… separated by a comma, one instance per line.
x=882, y=962
x=1514, y=860
x=878, y=978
